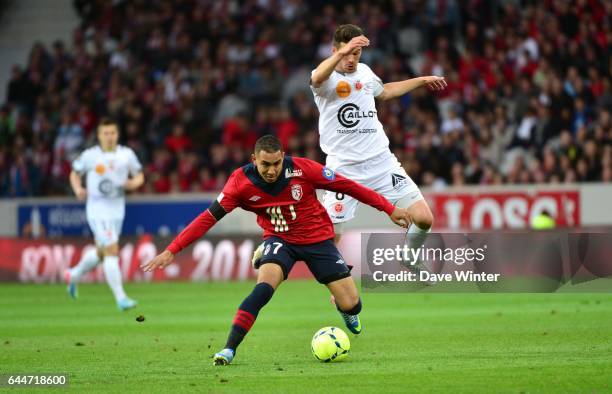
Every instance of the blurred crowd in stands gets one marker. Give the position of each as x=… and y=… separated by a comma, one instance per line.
x=193, y=83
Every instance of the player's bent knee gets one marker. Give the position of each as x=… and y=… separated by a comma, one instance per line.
x=271, y=273
x=422, y=216
x=426, y=220
x=111, y=250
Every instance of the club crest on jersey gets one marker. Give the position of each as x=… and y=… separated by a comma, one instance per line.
x=338, y=207
x=293, y=173
x=358, y=85
x=328, y=174
x=296, y=192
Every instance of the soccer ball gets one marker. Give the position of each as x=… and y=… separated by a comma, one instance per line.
x=330, y=344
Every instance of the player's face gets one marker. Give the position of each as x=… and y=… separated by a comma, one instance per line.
x=348, y=64
x=269, y=165
x=108, y=137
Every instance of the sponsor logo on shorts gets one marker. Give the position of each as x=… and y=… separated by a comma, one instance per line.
x=398, y=181
x=343, y=89
x=328, y=174
x=340, y=262
x=254, y=198
x=296, y=192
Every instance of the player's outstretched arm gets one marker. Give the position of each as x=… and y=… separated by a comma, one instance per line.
x=197, y=228
x=392, y=90
x=77, y=185
x=224, y=204
x=324, y=178
x=327, y=66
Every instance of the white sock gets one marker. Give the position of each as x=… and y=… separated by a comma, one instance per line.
x=416, y=236
x=88, y=262
x=113, y=276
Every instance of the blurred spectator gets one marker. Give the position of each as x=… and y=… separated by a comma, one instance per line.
x=178, y=141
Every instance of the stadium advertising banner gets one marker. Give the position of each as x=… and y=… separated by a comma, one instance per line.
x=69, y=219
x=504, y=209
x=210, y=259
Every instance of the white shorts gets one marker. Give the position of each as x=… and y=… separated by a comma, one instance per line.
x=384, y=174
x=106, y=231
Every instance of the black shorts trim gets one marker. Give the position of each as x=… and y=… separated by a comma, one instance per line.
x=285, y=273
x=334, y=277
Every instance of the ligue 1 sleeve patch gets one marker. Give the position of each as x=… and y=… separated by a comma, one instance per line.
x=328, y=174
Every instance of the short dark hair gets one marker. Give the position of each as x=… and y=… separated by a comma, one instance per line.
x=345, y=33
x=107, y=121
x=268, y=143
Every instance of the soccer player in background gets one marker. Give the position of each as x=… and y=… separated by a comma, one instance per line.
x=354, y=139
x=110, y=171
x=281, y=190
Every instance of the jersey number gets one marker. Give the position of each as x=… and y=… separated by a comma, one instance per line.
x=277, y=218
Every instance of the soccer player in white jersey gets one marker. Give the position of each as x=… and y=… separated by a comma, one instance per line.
x=110, y=171
x=354, y=139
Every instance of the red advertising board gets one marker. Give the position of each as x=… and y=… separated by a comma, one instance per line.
x=210, y=259
x=503, y=210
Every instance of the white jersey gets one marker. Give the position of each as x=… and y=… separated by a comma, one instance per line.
x=106, y=172
x=349, y=129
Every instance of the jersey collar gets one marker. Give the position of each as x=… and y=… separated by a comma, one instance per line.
x=275, y=188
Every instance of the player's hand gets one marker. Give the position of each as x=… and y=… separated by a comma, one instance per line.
x=400, y=217
x=81, y=193
x=160, y=261
x=434, y=83
x=356, y=42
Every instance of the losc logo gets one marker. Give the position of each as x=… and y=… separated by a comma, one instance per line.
x=296, y=192
x=349, y=115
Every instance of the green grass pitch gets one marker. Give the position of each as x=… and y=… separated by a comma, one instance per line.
x=411, y=342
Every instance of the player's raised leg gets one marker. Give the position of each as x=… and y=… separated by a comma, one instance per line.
x=88, y=262
x=421, y=218
x=269, y=278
